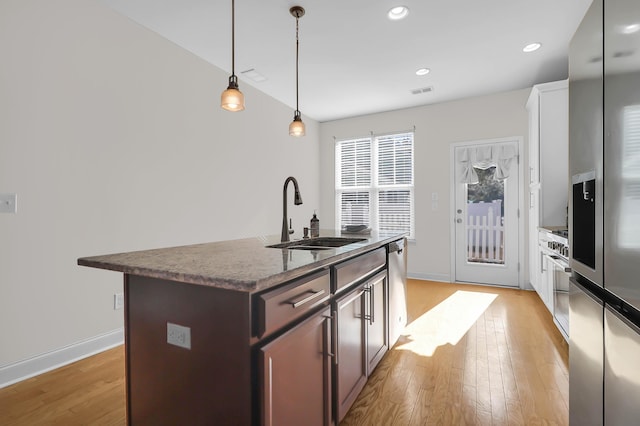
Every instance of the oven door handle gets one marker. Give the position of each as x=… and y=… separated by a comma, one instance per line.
x=559, y=263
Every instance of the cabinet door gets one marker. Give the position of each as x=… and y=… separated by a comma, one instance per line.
x=296, y=375
x=376, y=320
x=351, y=372
x=534, y=250
x=554, y=158
x=546, y=272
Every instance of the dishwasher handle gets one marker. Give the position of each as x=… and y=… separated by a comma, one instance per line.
x=396, y=246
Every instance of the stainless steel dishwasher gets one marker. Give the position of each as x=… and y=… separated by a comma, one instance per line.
x=397, y=267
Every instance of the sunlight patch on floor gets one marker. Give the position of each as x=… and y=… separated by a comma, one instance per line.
x=445, y=323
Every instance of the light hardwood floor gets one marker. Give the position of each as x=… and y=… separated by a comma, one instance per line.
x=471, y=355
x=461, y=364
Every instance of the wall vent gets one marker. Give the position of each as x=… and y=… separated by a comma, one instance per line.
x=422, y=90
x=253, y=75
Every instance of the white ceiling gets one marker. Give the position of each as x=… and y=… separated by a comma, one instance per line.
x=355, y=61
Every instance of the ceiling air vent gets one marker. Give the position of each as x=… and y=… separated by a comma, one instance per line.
x=422, y=90
x=253, y=75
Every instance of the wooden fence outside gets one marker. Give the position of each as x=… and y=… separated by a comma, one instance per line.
x=485, y=237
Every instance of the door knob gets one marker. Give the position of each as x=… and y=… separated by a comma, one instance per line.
x=459, y=220
x=459, y=211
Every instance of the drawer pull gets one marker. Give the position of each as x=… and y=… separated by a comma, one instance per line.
x=300, y=302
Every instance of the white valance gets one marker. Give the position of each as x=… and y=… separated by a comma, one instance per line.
x=482, y=157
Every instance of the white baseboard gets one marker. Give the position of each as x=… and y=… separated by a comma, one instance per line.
x=430, y=277
x=22, y=370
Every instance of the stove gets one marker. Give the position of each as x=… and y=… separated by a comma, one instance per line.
x=558, y=242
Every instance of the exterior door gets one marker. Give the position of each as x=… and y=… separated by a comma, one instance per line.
x=486, y=222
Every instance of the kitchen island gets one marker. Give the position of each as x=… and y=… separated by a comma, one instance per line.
x=237, y=332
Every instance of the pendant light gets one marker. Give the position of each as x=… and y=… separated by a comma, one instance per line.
x=296, y=128
x=232, y=99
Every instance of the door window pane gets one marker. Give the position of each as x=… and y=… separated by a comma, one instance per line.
x=485, y=218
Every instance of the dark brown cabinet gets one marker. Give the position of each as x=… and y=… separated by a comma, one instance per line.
x=362, y=338
x=351, y=366
x=297, y=353
x=296, y=375
x=376, y=320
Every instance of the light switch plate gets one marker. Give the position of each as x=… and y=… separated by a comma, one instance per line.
x=8, y=203
x=118, y=301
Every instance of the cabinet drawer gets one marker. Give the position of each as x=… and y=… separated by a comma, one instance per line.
x=278, y=307
x=354, y=270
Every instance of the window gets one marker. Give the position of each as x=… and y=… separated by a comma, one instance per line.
x=374, y=183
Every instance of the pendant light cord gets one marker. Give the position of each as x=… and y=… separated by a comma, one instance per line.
x=233, y=37
x=297, y=60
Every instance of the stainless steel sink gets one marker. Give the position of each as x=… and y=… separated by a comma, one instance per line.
x=320, y=243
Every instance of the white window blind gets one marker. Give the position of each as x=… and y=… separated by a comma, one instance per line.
x=374, y=183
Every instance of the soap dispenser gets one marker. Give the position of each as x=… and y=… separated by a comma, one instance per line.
x=314, y=226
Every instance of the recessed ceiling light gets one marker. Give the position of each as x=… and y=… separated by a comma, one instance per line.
x=630, y=29
x=423, y=71
x=532, y=47
x=398, y=12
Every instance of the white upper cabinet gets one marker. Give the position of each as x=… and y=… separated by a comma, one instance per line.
x=549, y=150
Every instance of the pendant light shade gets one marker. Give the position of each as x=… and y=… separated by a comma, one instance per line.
x=232, y=99
x=296, y=128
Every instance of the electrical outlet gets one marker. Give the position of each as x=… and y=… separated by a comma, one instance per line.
x=179, y=335
x=118, y=301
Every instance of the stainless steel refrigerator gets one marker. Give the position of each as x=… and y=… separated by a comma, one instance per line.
x=604, y=215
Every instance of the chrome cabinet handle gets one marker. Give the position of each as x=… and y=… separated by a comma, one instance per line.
x=372, y=304
x=367, y=304
x=313, y=295
x=334, y=323
x=328, y=330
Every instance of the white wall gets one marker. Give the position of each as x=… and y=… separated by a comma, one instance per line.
x=114, y=140
x=436, y=128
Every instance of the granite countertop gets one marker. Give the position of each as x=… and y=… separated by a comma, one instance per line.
x=242, y=265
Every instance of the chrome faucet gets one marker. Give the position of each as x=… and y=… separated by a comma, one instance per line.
x=297, y=200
